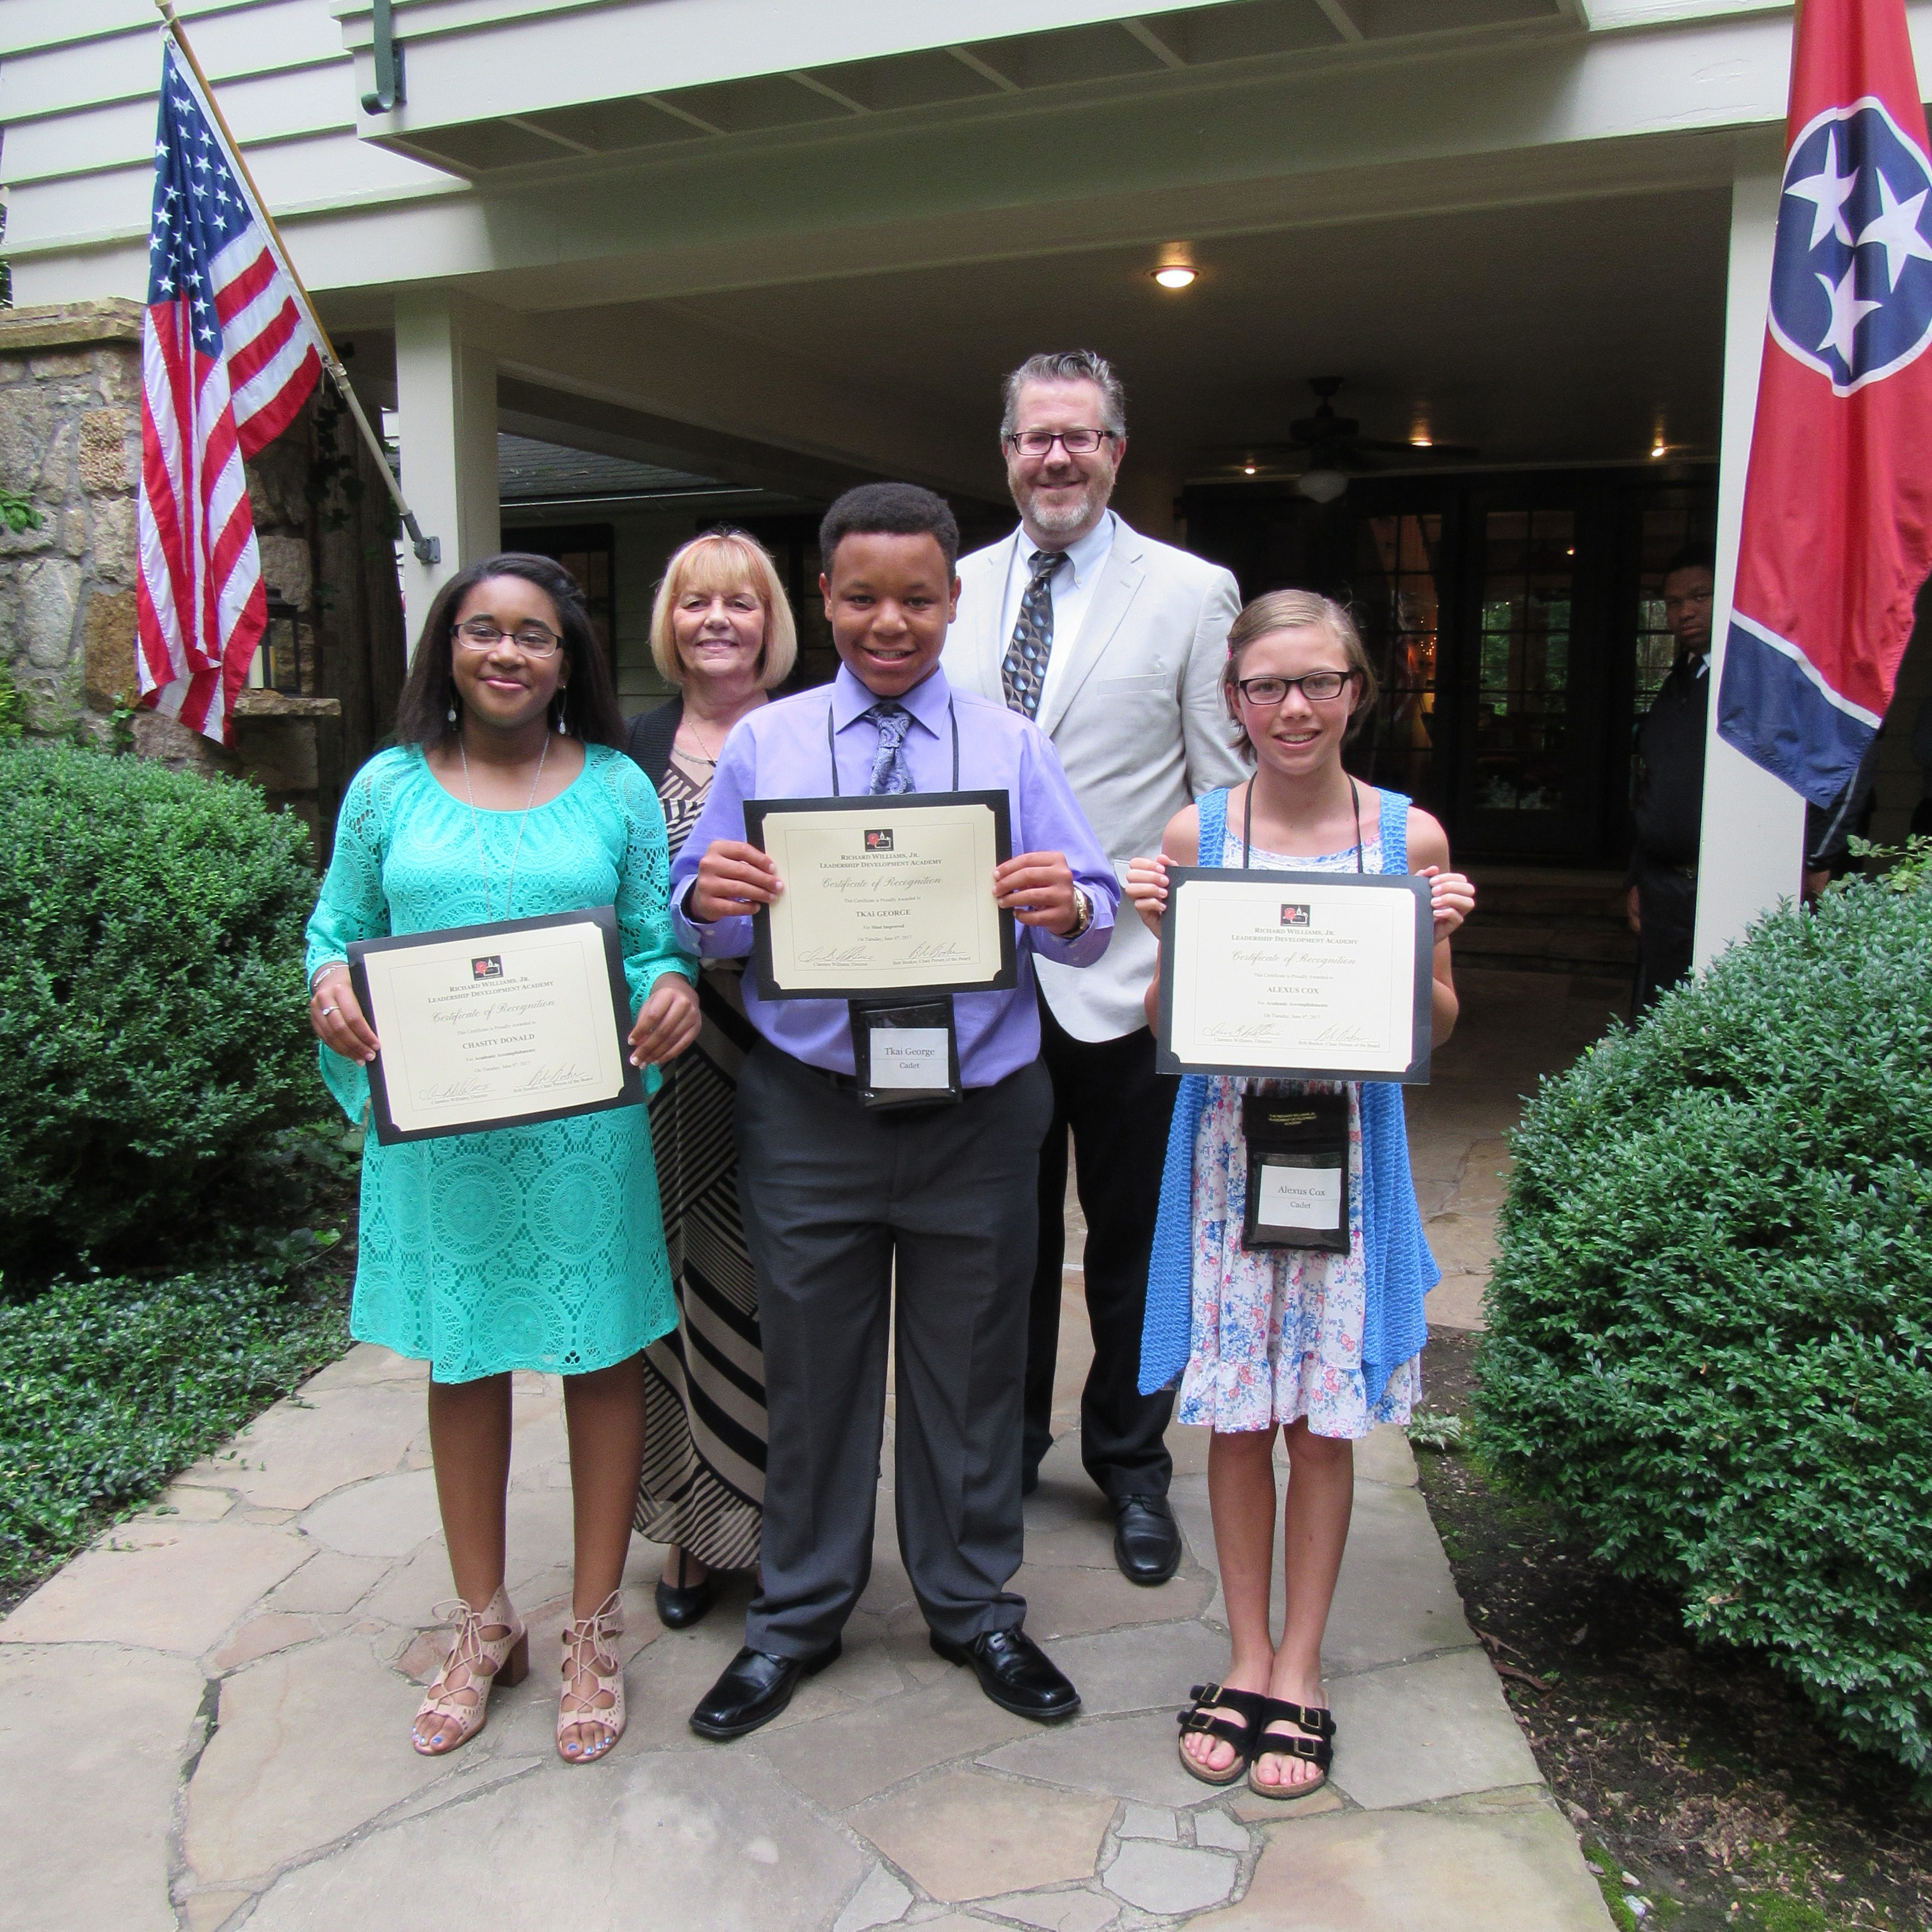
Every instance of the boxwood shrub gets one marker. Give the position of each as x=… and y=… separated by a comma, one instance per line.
x=1711, y=1319
x=152, y=1018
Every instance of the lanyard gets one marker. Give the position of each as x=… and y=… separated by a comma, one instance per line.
x=832, y=754
x=1248, y=821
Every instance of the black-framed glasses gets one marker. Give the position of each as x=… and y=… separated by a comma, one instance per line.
x=484, y=634
x=1039, y=442
x=1319, y=687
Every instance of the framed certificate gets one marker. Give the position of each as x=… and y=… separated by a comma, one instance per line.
x=496, y=1026
x=884, y=894
x=1309, y=975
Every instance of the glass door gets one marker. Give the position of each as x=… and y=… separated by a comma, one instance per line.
x=1531, y=686
x=1400, y=599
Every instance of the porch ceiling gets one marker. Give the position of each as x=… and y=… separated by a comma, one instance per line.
x=1545, y=335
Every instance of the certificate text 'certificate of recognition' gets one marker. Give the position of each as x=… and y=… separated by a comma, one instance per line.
x=1317, y=975
x=494, y=1026
x=884, y=894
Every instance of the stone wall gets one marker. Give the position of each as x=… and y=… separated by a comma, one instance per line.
x=70, y=439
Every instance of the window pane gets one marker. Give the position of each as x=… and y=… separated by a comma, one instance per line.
x=1528, y=578
x=1396, y=604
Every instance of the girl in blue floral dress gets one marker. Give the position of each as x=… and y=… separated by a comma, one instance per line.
x=534, y=1247
x=1321, y=1343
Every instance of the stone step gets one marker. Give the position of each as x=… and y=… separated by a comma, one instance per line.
x=1527, y=919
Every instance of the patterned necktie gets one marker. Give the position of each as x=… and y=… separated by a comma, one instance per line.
x=890, y=772
x=1023, y=670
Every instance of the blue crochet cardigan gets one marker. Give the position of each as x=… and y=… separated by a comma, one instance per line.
x=1400, y=1269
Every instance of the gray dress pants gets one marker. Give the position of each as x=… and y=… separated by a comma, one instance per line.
x=834, y=1195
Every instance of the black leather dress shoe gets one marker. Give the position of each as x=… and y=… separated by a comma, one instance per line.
x=679, y=1605
x=755, y=1687
x=1015, y=1672
x=1147, y=1539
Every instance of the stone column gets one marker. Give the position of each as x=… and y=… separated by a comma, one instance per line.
x=446, y=402
x=71, y=442
x=1751, y=853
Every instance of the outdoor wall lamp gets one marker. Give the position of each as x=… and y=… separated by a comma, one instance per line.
x=288, y=649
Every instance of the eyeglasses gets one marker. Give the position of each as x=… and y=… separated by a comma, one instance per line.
x=482, y=633
x=1039, y=442
x=1319, y=687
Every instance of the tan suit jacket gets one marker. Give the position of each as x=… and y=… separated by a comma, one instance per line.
x=1135, y=712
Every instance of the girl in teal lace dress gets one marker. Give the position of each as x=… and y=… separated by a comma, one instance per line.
x=537, y=1247
x=1305, y=1340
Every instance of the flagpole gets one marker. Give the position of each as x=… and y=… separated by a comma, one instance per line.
x=428, y=549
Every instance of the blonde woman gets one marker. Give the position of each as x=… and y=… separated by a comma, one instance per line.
x=722, y=633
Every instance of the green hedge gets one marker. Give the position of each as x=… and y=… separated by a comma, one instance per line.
x=109, y=1386
x=153, y=1027
x=1711, y=1320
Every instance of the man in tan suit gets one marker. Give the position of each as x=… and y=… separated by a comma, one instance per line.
x=1114, y=644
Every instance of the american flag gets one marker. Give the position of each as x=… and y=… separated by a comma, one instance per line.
x=228, y=356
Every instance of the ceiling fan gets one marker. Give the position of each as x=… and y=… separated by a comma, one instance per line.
x=1330, y=448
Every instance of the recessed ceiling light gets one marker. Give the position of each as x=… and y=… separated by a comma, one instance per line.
x=1175, y=275
x=1419, y=437
x=1249, y=469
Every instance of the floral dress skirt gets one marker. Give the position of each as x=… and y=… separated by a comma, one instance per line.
x=1277, y=1332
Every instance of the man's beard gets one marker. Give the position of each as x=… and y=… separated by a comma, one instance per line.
x=1059, y=519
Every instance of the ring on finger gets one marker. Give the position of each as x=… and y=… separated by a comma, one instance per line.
x=326, y=1011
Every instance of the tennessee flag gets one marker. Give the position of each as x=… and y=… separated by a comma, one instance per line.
x=1837, y=518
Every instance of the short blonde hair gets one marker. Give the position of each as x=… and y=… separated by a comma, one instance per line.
x=1279, y=610
x=724, y=561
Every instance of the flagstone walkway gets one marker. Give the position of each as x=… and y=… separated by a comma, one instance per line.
x=204, y=1719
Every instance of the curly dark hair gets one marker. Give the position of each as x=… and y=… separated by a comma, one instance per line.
x=588, y=703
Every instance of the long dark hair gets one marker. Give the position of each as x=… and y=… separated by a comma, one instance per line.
x=588, y=701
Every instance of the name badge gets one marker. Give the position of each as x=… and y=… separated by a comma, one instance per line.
x=1298, y=1151
x=906, y=1054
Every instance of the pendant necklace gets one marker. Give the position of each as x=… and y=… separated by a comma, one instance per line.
x=698, y=755
x=475, y=825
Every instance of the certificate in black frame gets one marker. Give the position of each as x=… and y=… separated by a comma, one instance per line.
x=630, y=1093
x=757, y=810
x=1416, y=1074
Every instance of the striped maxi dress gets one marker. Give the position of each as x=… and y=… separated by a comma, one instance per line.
x=703, y=1481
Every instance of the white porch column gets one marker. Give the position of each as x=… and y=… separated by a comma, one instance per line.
x=446, y=402
x=1751, y=854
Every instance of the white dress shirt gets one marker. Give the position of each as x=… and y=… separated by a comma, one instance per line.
x=1072, y=587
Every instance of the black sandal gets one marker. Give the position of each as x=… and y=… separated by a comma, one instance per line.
x=1197, y=1718
x=1318, y=1727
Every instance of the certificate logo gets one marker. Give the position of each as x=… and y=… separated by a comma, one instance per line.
x=490, y=968
x=1294, y=915
x=878, y=841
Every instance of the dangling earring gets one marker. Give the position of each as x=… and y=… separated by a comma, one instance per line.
x=563, y=729
x=452, y=711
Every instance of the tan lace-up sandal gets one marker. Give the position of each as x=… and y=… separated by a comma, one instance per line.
x=593, y=1680
x=492, y=1646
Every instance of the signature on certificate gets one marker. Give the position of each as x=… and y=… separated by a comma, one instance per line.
x=936, y=953
x=1341, y=1034
x=453, y=1093
x=834, y=955
x=1245, y=1030
x=542, y=1079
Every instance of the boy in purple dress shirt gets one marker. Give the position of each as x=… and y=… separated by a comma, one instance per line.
x=842, y=1198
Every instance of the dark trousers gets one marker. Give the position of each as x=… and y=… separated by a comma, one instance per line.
x=1117, y=1107
x=1666, y=910
x=839, y=1200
